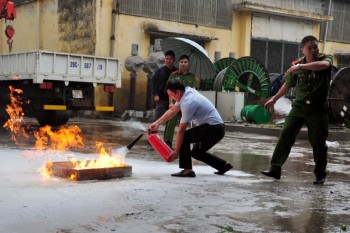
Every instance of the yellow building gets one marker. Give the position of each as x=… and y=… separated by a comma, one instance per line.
x=110, y=28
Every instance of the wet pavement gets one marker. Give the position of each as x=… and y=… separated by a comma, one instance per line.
x=242, y=199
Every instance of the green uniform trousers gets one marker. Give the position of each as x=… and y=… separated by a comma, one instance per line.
x=169, y=130
x=316, y=120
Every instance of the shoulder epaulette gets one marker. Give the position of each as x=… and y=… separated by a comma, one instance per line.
x=297, y=61
x=321, y=55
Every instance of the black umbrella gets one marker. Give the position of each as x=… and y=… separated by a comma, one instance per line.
x=200, y=64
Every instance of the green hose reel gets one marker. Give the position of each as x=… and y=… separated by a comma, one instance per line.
x=219, y=66
x=247, y=75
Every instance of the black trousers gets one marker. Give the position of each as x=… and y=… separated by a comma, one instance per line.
x=204, y=137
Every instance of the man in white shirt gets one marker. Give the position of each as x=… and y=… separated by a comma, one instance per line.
x=209, y=129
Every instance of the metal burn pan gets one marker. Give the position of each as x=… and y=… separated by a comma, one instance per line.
x=67, y=170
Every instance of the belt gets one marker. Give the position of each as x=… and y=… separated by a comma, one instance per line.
x=222, y=125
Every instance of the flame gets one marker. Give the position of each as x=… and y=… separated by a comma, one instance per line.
x=72, y=177
x=104, y=160
x=15, y=111
x=46, y=170
x=62, y=139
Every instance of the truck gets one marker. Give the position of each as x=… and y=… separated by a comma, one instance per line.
x=56, y=86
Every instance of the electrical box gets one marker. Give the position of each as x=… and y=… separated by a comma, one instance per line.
x=229, y=105
x=211, y=96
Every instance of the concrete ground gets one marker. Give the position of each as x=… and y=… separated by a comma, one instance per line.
x=152, y=201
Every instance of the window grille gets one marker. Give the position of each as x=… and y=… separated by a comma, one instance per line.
x=211, y=13
x=338, y=29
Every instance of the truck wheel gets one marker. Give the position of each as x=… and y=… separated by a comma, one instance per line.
x=3, y=117
x=51, y=120
x=2, y=122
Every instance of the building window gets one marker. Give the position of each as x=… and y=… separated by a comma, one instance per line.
x=275, y=55
x=343, y=60
x=338, y=29
x=211, y=13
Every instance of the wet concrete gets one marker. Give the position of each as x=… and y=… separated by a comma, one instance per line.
x=249, y=202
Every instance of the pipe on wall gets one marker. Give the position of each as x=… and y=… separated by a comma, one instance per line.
x=114, y=17
x=38, y=24
x=326, y=29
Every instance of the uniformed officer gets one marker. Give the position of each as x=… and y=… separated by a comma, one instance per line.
x=311, y=76
x=189, y=80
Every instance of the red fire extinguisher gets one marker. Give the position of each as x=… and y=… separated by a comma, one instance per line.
x=160, y=146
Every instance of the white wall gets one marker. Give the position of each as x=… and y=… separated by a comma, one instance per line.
x=280, y=28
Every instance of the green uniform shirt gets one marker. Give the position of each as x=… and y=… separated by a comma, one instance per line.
x=188, y=79
x=311, y=86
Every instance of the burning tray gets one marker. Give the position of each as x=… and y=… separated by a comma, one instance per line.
x=68, y=170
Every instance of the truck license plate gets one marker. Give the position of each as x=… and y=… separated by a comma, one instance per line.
x=77, y=94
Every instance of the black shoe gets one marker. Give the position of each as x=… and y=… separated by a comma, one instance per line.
x=272, y=173
x=226, y=168
x=319, y=180
x=183, y=174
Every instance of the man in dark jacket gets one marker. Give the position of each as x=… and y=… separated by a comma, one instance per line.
x=159, y=81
